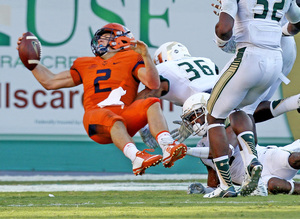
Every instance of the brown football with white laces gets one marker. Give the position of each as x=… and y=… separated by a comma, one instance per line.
x=30, y=50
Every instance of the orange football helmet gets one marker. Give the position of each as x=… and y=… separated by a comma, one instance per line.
x=120, y=37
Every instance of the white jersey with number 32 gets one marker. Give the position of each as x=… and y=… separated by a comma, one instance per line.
x=257, y=22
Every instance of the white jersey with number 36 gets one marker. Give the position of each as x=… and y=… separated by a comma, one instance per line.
x=187, y=76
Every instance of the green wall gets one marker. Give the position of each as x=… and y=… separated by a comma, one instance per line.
x=79, y=155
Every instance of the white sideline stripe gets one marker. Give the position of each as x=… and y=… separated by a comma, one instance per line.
x=130, y=186
x=116, y=186
x=131, y=177
x=140, y=203
x=32, y=61
x=31, y=37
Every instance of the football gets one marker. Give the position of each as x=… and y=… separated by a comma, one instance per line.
x=30, y=50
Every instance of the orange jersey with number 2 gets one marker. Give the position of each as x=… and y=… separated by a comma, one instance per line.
x=99, y=77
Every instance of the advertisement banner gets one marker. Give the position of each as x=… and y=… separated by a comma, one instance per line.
x=65, y=29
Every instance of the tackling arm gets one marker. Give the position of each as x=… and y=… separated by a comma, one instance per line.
x=162, y=90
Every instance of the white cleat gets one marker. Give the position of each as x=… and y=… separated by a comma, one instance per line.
x=220, y=193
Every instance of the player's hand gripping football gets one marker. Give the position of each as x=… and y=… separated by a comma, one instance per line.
x=30, y=50
x=183, y=132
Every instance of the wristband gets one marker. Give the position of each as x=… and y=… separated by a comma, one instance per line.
x=220, y=42
x=285, y=30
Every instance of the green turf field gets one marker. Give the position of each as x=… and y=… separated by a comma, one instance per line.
x=143, y=204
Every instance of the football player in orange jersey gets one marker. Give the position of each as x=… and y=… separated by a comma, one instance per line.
x=110, y=81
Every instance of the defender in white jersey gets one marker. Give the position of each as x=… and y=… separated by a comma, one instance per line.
x=289, y=53
x=186, y=77
x=280, y=164
x=267, y=110
x=181, y=76
x=255, y=67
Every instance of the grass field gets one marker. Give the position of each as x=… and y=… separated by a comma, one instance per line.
x=142, y=204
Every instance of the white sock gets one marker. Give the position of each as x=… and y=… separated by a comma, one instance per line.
x=279, y=107
x=201, y=152
x=164, y=139
x=130, y=151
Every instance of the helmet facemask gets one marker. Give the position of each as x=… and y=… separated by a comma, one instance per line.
x=194, y=112
x=194, y=118
x=98, y=49
x=121, y=40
